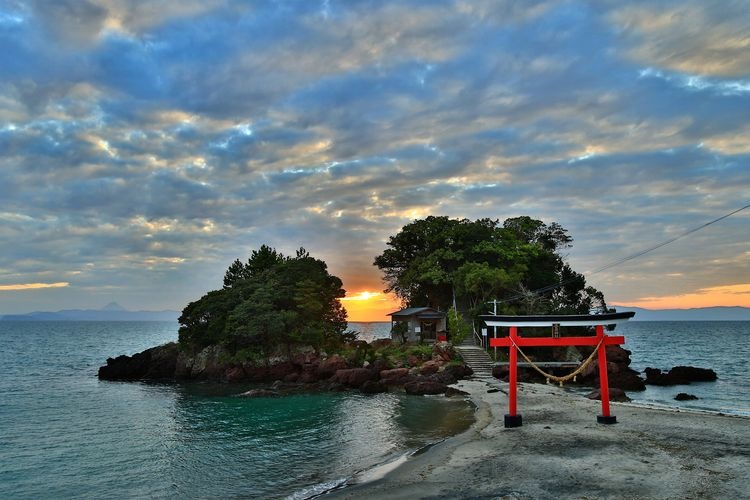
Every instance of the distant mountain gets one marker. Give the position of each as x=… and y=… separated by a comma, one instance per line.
x=696, y=314
x=111, y=312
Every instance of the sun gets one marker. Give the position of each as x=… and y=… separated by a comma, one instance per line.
x=365, y=305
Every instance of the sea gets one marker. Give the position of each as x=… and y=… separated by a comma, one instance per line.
x=66, y=434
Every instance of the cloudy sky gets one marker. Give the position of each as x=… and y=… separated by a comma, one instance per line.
x=146, y=145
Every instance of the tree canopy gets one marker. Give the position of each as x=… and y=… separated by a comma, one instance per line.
x=432, y=260
x=269, y=302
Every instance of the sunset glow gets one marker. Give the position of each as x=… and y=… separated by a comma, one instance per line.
x=32, y=286
x=370, y=306
x=730, y=295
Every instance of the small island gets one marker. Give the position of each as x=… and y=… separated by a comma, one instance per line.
x=278, y=320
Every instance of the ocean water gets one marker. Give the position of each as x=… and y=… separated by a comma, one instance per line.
x=723, y=346
x=65, y=434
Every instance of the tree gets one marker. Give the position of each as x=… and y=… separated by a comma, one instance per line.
x=272, y=302
x=433, y=260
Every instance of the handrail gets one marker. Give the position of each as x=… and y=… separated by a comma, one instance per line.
x=477, y=337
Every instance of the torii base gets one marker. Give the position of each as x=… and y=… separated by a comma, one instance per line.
x=513, y=421
x=610, y=419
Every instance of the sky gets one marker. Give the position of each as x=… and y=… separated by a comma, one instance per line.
x=146, y=145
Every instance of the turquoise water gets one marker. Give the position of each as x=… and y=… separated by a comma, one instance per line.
x=65, y=434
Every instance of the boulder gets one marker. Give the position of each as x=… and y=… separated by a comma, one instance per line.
x=459, y=371
x=152, y=364
x=328, y=367
x=626, y=379
x=683, y=396
x=421, y=387
x=394, y=376
x=354, y=377
x=693, y=374
x=429, y=367
x=444, y=352
x=618, y=355
x=373, y=387
x=615, y=394
x=445, y=377
x=679, y=375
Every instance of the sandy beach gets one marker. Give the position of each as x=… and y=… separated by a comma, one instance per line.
x=561, y=452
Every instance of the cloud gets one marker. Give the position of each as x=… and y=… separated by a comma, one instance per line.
x=143, y=147
x=32, y=286
x=695, y=37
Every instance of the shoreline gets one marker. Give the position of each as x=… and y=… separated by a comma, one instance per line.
x=561, y=452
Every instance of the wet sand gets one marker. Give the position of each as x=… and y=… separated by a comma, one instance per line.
x=561, y=452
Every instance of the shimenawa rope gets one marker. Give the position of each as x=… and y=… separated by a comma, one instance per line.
x=567, y=377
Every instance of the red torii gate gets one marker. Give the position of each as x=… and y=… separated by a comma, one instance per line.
x=513, y=341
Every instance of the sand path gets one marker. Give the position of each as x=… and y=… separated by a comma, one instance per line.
x=561, y=452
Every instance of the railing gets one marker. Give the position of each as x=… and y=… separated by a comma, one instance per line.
x=477, y=338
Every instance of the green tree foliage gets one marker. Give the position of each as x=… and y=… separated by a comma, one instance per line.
x=458, y=328
x=269, y=303
x=432, y=260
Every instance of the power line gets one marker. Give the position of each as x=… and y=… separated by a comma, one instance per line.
x=630, y=257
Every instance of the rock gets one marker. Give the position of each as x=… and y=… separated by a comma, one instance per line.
x=679, y=375
x=683, y=396
x=654, y=376
x=207, y=365
x=394, y=376
x=379, y=365
x=444, y=352
x=618, y=355
x=459, y=371
x=445, y=377
x=615, y=394
x=452, y=392
x=260, y=393
x=152, y=364
x=354, y=377
x=234, y=373
x=292, y=377
x=373, y=387
x=626, y=379
x=693, y=374
x=429, y=367
x=412, y=360
x=328, y=367
x=421, y=387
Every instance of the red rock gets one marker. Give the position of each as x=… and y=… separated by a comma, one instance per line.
x=394, y=374
x=429, y=368
x=421, y=387
x=328, y=367
x=354, y=377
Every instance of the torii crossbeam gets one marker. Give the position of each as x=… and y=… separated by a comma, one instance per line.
x=513, y=341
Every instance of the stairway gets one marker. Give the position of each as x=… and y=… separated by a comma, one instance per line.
x=476, y=357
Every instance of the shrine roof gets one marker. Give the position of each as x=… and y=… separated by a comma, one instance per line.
x=560, y=319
